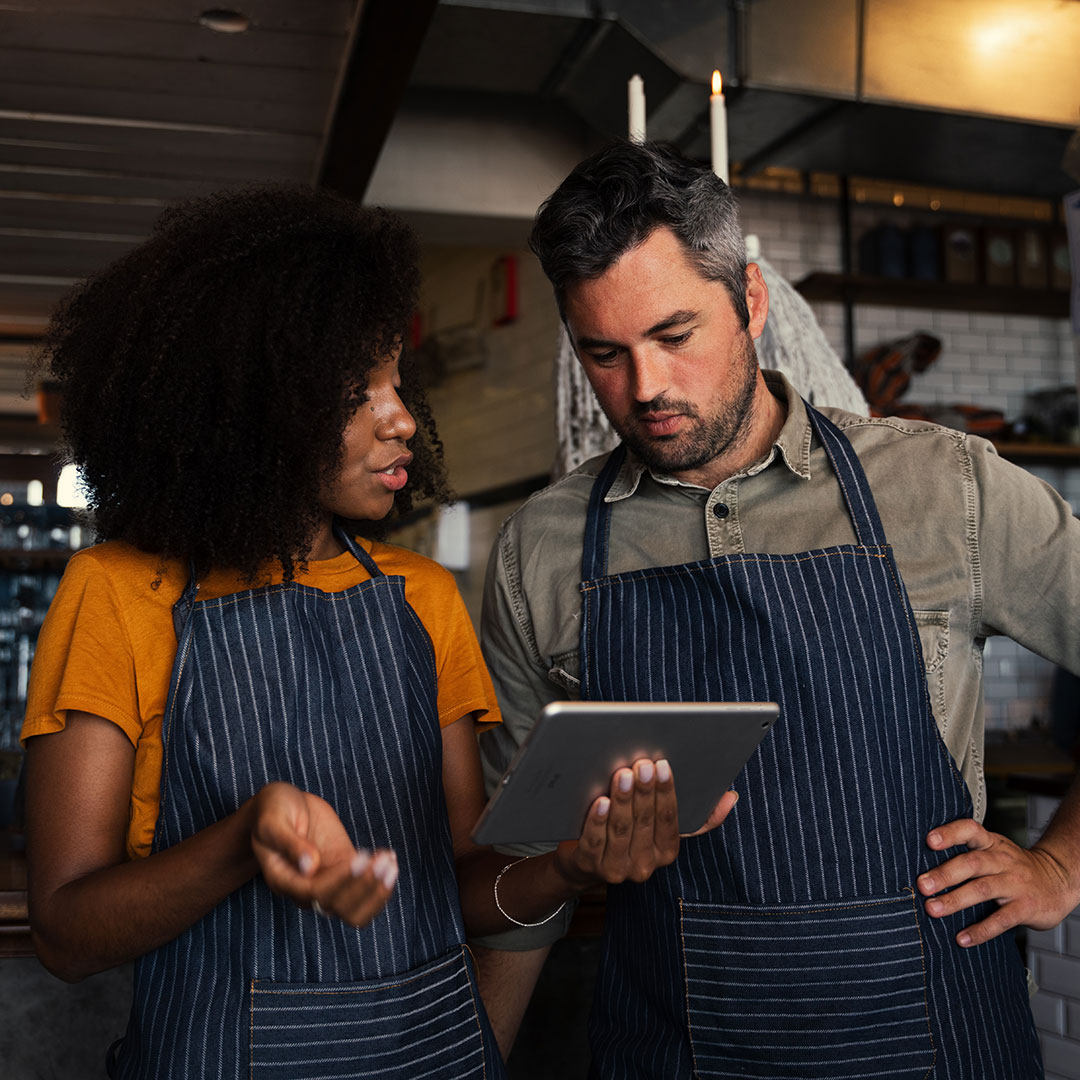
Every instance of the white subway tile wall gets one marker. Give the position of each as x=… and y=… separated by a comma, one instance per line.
x=986, y=359
x=1054, y=961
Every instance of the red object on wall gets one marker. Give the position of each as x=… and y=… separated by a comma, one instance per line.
x=504, y=290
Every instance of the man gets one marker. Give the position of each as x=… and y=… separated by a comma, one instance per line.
x=851, y=916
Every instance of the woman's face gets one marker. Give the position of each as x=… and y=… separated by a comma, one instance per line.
x=376, y=456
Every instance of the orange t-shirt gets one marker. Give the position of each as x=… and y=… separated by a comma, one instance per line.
x=107, y=647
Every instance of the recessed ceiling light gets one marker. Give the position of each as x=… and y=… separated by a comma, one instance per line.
x=224, y=20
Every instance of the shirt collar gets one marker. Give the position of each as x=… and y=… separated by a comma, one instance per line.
x=792, y=446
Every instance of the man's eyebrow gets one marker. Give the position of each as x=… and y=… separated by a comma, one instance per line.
x=676, y=318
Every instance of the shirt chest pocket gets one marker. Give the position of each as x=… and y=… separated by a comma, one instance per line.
x=565, y=671
x=933, y=627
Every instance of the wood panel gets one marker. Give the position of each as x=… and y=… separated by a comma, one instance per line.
x=254, y=82
x=321, y=16
x=183, y=40
x=202, y=107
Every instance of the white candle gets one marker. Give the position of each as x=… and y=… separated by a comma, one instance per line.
x=718, y=128
x=635, y=100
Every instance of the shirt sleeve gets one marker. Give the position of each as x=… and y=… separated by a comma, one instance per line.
x=1028, y=559
x=464, y=685
x=522, y=687
x=83, y=660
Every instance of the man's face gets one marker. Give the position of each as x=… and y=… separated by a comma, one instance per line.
x=665, y=352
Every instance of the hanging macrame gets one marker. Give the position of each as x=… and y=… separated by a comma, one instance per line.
x=792, y=343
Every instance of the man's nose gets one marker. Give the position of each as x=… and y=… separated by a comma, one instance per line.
x=649, y=375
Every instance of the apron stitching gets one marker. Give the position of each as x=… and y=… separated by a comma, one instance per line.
x=694, y=568
x=476, y=1013
x=252, y=1036
x=311, y=988
x=686, y=991
x=926, y=1003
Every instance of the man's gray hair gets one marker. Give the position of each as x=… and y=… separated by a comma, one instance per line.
x=613, y=201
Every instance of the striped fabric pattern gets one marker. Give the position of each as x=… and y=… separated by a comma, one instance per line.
x=335, y=693
x=833, y=811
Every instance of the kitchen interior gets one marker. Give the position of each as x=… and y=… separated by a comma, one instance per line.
x=904, y=164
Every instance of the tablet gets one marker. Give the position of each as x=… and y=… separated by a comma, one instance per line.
x=570, y=755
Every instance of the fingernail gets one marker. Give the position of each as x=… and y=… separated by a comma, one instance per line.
x=390, y=875
x=603, y=805
x=964, y=940
x=929, y=884
x=646, y=771
x=663, y=771
x=626, y=780
x=935, y=907
x=386, y=869
x=360, y=862
x=934, y=839
x=736, y=794
x=305, y=862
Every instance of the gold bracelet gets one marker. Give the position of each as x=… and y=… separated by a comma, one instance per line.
x=502, y=910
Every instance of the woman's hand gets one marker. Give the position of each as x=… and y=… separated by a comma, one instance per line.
x=634, y=830
x=305, y=853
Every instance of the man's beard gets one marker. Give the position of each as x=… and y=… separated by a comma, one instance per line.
x=706, y=438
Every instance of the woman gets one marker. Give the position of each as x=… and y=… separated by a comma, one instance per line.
x=251, y=755
x=232, y=394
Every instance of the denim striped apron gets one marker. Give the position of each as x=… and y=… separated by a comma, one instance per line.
x=335, y=693
x=790, y=943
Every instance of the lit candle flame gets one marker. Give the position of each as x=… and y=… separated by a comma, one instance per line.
x=717, y=83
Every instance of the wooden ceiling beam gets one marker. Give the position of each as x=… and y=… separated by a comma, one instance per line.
x=382, y=52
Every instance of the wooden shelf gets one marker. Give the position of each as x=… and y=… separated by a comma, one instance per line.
x=942, y=295
x=22, y=559
x=1047, y=453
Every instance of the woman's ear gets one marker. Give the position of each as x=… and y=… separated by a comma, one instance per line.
x=757, y=300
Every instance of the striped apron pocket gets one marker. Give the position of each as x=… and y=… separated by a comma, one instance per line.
x=421, y=1024
x=807, y=991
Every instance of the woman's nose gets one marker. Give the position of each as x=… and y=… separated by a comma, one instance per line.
x=396, y=423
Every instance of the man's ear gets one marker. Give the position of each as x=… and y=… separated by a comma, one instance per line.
x=757, y=300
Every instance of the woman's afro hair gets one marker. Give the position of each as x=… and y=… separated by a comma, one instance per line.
x=206, y=375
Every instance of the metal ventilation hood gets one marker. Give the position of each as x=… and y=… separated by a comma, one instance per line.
x=980, y=94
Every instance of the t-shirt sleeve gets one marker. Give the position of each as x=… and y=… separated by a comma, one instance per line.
x=464, y=683
x=83, y=660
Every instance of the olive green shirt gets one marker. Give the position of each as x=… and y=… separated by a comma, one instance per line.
x=983, y=546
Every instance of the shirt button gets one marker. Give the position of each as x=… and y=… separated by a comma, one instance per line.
x=721, y=510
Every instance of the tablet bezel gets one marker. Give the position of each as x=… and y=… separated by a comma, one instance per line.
x=575, y=747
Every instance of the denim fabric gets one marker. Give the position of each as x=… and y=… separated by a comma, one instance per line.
x=790, y=942
x=333, y=692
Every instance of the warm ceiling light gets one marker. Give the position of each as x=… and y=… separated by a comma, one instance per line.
x=224, y=20
x=935, y=204
x=717, y=83
x=898, y=199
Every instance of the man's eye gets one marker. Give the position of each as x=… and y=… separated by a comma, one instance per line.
x=677, y=339
x=604, y=357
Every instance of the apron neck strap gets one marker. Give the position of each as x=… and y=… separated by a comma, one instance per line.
x=365, y=559
x=594, y=553
x=865, y=519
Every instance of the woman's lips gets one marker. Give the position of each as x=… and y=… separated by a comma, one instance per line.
x=394, y=475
